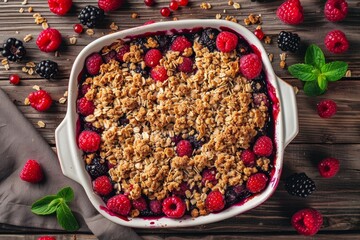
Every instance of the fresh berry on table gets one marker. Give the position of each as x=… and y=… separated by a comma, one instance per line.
x=328, y=167
x=336, y=10
x=250, y=66
x=307, y=221
x=173, y=207
x=89, y=141
x=149, y=3
x=173, y=5
x=47, y=69
x=60, y=7
x=46, y=238
x=259, y=33
x=165, y=12
x=31, y=172
x=119, y=204
x=326, y=108
x=291, y=12
x=102, y=185
x=40, y=100
x=49, y=40
x=336, y=42
x=299, y=184
x=13, y=50
x=14, y=79
x=257, y=182
x=288, y=41
x=110, y=5
x=91, y=16
x=78, y=28
x=183, y=2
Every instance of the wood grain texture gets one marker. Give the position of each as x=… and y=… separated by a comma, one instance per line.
x=337, y=198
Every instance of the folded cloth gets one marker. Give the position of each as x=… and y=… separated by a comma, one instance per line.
x=19, y=141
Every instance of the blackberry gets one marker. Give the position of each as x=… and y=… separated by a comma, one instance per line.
x=299, y=185
x=96, y=168
x=13, y=50
x=123, y=121
x=194, y=142
x=208, y=38
x=288, y=41
x=91, y=16
x=47, y=69
x=258, y=84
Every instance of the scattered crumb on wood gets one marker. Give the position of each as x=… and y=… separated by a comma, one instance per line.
x=41, y=124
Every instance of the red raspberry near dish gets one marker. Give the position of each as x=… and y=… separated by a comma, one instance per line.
x=326, y=108
x=102, y=186
x=183, y=2
x=119, y=204
x=93, y=63
x=173, y=5
x=307, y=221
x=156, y=206
x=209, y=176
x=248, y=157
x=165, y=12
x=14, y=79
x=173, y=207
x=110, y=5
x=328, y=167
x=186, y=66
x=180, y=44
x=184, y=148
x=85, y=107
x=78, y=28
x=291, y=12
x=335, y=10
x=153, y=57
x=46, y=238
x=60, y=7
x=49, y=40
x=89, y=141
x=31, y=172
x=120, y=54
x=40, y=100
x=159, y=74
x=263, y=146
x=139, y=204
x=250, y=66
x=214, y=201
x=336, y=42
x=149, y=3
x=226, y=41
x=256, y=182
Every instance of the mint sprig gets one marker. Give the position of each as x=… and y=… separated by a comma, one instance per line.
x=58, y=204
x=316, y=73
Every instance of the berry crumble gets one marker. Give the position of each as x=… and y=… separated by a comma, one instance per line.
x=174, y=125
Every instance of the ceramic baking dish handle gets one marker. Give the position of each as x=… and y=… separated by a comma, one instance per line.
x=289, y=108
x=64, y=150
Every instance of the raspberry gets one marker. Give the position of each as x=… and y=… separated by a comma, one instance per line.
x=159, y=73
x=109, y=56
x=14, y=79
x=307, y=221
x=298, y=184
x=257, y=182
x=263, y=146
x=248, y=157
x=156, y=206
x=85, y=107
x=89, y=141
x=31, y=172
x=139, y=204
x=84, y=89
x=326, y=108
x=214, y=201
x=40, y=100
x=183, y=187
x=93, y=63
x=335, y=10
x=250, y=66
x=102, y=186
x=119, y=204
x=291, y=12
x=328, y=167
x=60, y=7
x=46, y=238
x=209, y=176
x=336, y=41
x=49, y=40
x=226, y=41
x=110, y=5
x=120, y=54
x=288, y=41
x=186, y=66
x=152, y=57
x=173, y=207
x=184, y=148
x=180, y=44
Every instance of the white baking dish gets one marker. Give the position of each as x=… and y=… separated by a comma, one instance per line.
x=70, y=156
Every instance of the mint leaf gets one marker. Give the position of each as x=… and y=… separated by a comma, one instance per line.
x=304, y=72
x=66, y=218
x=334, y=70
x=312, y=89
x=322, y=82
x=44, y=205
x=66, y=193
x=314, y=56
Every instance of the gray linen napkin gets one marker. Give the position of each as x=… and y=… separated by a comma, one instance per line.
x=19, y=141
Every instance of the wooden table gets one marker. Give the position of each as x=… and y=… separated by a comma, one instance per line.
x=336, y=198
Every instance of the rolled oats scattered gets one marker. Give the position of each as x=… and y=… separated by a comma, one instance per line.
x=90, y=32
x=30, y=9
x=205, y=5
x=348, y=73
x=114, y=27
x=236, y=6
x=65, y=94
x=28, y=38
x=282, y=64
x=230, y=2
x=267, y=40
x=27, y=101
x=218, y=16
x=73, y=40
x=271, y=57
x=21, y=10
x=283, y=56
x=30, y=64
x=24, y=2
x=36, y=87
x=296, y=89
x=45, y=25
x=41, y=124
x=24, y=69
x=62, y=100
x=134, y=15
x=30, y=71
